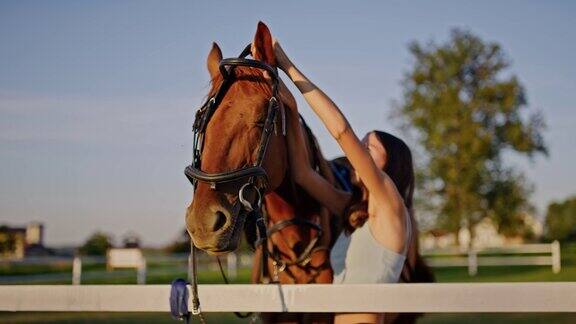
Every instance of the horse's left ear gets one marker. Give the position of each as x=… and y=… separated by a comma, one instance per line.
x=262, y=48
x=213, y=61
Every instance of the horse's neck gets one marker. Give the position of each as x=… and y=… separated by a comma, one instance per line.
x=299, y=200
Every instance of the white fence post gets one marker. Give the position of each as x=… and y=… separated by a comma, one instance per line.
x=472, y=262
x=76, y=270
x=556, y=259
x=232, y=265
x=141, y=272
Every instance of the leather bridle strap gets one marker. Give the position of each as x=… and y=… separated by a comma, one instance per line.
x=306, y=255
x=224, y=177
x=227, y=63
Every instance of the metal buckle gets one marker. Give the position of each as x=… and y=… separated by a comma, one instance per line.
x=280, y=266
x=245, y=201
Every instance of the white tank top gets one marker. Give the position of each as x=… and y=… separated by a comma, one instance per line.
x=360, y=259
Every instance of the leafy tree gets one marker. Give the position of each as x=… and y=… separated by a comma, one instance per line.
x=97, y=244
x=508, y=204
x=561, y=220
x=466, y=110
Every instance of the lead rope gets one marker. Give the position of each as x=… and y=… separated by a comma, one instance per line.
x=262, y=239
x=179, y=295
x=179, y=291
x=194, y=284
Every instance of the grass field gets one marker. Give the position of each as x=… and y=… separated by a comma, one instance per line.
x=160, y=275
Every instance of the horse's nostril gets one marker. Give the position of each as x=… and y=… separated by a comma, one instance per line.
x=219, y=221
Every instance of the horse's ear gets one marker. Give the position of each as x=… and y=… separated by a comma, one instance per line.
x=262, y=48
x=213, y=61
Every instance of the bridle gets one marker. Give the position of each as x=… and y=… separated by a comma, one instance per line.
x=304, y=258
x=253, y=178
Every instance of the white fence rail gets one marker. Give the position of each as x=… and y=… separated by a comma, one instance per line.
x=428, y=298
x=496, y=256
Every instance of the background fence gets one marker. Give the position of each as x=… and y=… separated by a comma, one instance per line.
x=87, y=269
x=513, y=255
x=79, y=270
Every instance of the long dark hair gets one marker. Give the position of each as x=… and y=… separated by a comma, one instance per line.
x=399, y=167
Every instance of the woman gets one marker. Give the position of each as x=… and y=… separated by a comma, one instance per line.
x=378, y=215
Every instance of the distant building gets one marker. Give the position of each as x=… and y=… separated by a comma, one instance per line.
x=19, y=242
x=485, y=234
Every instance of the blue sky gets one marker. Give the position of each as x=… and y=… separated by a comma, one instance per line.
x=97, y=98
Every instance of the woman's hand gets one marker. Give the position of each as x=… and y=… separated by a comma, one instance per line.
x=282, y=59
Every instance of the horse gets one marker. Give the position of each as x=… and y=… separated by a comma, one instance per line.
x=243, y=163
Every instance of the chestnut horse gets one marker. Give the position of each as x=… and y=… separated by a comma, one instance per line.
x=232, y=136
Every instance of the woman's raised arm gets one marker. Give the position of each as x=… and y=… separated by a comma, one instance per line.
x=323, y=191
x=378, y=184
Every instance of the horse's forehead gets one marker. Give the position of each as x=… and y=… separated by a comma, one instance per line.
x=231, y=134
x=244, y=99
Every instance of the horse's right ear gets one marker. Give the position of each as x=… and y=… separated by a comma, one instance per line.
x=262, y=48
x=213, y=61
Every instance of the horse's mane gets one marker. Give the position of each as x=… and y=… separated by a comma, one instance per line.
x=329, y=223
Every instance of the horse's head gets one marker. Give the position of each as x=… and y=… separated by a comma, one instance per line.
x=232, y=141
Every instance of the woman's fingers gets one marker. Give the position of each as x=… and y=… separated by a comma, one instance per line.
x=281, y=57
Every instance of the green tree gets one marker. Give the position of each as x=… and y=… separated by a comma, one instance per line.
x=561, y=220
x=466, y=110
x=97, y=244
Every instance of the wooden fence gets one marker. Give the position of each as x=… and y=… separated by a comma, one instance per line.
x=428, y=298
